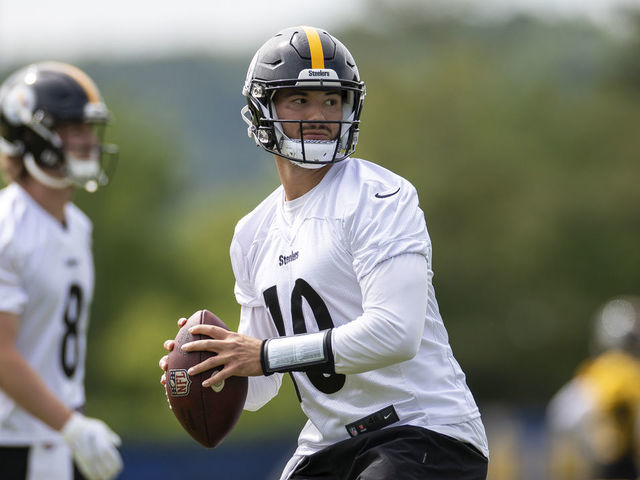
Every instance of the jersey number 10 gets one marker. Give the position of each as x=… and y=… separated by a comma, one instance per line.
x=325, y=382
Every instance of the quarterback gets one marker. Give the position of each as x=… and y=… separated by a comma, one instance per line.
x=333, y=275
x=51, y=116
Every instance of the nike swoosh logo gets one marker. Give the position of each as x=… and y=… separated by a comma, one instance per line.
x=386, y=195
x=386, y=416
x=71, y=262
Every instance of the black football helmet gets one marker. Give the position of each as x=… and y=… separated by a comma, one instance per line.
x=306, y=58
x=37, y=98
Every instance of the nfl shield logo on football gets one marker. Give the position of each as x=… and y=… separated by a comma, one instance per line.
x=179, y=383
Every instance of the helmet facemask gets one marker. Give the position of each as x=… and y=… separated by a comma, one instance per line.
x=84, y=160
x=309, y=153
x=267, y=76
x=60, y=165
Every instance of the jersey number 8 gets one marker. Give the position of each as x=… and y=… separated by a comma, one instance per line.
x=69, y=351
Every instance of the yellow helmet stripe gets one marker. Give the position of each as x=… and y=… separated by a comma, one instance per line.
x=315, y=46
x=79, y=76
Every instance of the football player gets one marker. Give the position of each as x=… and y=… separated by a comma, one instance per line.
x=594, y=420
x=333, y=275
x=51, y=122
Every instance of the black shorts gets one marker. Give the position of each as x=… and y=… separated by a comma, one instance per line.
x=14, y=461
x=398, y=453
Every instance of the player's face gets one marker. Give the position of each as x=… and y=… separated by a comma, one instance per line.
x=79, y=139
x=309, y=105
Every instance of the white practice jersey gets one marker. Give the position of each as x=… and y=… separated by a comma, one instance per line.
x=299, y=268
x=47, y=279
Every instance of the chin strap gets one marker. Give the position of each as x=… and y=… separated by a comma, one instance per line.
x=40, y=175
x=318, y=153
x=88, y=174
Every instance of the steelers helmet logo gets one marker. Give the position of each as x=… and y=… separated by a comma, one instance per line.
x=19, y=104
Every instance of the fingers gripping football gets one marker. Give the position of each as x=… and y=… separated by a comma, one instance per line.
x=168, y=345
x=207, y=413
x=238, y=355
x=164, y=361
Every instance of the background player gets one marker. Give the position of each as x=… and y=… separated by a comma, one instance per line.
x=51, y=119
x=333, y=275
x=594, y=420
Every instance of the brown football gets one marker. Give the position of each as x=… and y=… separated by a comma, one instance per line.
x=207, y=414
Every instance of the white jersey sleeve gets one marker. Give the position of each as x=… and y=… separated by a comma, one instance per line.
x=390, y=328
x=254, y=321
x=386, y=221
x=245, y=294
x=13, y=296
x=248, y=234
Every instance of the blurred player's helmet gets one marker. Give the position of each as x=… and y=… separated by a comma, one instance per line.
x=36, y=99
x=617, y=325
x=307, y=58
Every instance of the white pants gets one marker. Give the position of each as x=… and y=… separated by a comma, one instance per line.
x=49, y=461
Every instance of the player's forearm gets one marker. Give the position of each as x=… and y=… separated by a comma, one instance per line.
x=388, y=332
x=20, y=382
x=390, y=329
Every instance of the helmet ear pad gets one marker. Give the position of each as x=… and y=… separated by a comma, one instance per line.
x=44, y=152
x=265, y=131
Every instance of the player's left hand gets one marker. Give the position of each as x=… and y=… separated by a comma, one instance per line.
x=238, y=354
x=163, y=363
x=169, y=345
x=94, y=447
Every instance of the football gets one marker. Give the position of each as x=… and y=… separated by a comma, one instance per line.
x=207, y=414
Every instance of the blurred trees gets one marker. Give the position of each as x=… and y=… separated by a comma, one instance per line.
x=524, y=153
x=522, y=140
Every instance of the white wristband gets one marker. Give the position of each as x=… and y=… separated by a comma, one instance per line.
x=298, y=352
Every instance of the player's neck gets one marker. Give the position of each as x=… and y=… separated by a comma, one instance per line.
x=298, y=180
x=50, y=199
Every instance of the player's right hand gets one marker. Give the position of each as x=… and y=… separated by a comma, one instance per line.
x=93, y=446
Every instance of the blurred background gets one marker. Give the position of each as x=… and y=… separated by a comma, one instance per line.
x=517, y=121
